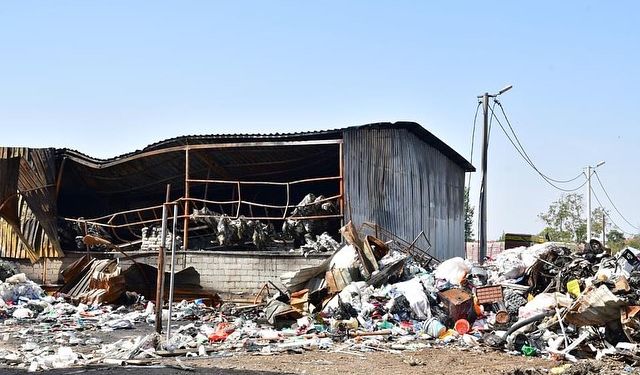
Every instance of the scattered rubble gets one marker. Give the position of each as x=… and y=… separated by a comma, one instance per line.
x=550, y=300
x=7, y=269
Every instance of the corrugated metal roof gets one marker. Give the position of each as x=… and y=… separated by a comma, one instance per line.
x=337, y=133
x=140, y=182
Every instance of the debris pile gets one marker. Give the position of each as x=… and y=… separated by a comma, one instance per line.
x=225, y=231
x=304, y=235
x=549, y=299
x=554, y=300
x=7, y=269
x=302, y=231
x=56, y=334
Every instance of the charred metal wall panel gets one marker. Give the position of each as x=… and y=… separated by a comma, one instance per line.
x=403, y=184
x=29, y=230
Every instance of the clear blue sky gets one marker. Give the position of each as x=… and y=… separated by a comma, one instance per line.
x=113, y=76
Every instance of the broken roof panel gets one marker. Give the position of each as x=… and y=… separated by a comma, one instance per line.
x=335, y=134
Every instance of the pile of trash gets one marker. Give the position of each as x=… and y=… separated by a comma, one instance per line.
x=7, y=269
x=554, y=300
x=304, y=235
x=50, y=330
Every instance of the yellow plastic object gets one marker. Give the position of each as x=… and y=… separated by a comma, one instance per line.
x=449, y=332
x=560, y=369
x=573, y=287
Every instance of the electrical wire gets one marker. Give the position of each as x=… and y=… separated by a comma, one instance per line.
x=488, y=134
x=606, y=213
x=548, y=181
x=611, y=201
x=473, y=134
x=490, y=125
x=525, y=152
x=473, y=140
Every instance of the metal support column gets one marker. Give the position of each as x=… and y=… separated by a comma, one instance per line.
x=160, y=278
x=173, y=268
x=185, y=228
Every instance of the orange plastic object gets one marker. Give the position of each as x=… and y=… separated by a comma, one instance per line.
x=462, y=326
x=223, y=330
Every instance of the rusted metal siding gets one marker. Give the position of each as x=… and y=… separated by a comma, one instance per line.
x=403, y=184
x=28, y=230
x=13, y=244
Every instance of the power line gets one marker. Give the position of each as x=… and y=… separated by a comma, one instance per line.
x=473, y=140
x=528, y=161
x=473, y=133
x=609, y=216
x=490, y=123
x=525, y=152
x=488, y=134
x=613, y=204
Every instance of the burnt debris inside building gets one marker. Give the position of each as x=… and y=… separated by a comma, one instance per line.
x=238, y=192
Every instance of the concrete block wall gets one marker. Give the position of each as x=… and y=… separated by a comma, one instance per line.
x=52, y=266
x=238, y=273
x=231, y=272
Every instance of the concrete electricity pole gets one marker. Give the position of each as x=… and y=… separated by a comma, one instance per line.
x=604, y=239
x=589, y=173
x=483, y=187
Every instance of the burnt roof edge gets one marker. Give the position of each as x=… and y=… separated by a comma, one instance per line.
x=415, y=128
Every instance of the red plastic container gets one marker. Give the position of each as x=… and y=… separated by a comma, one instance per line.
x=462, y=326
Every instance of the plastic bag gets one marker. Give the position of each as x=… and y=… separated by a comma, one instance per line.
x=223, y=330
x=510, y=263
x=453, y=270
x=543, y=302
x=414, y=293
x=344, y=258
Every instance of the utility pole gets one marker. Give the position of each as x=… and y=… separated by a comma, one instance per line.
x=590, y=170
x=483, y=187
x=160, y=276
x=604, y=239
x=588, y=203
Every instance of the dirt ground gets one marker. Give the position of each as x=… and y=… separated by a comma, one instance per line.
x=450, y=361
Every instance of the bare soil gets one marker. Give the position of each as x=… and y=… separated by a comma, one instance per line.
x=450, y=361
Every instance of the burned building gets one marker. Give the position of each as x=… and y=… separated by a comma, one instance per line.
x=396, y=175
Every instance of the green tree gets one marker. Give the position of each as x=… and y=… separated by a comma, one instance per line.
x=596, y=226
x=564, y=218
x=581, y=232
x=596, y=221
x=633, y=242
x=615, y=240
x=468, y=217
x=552, y=234
x=565, y=221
